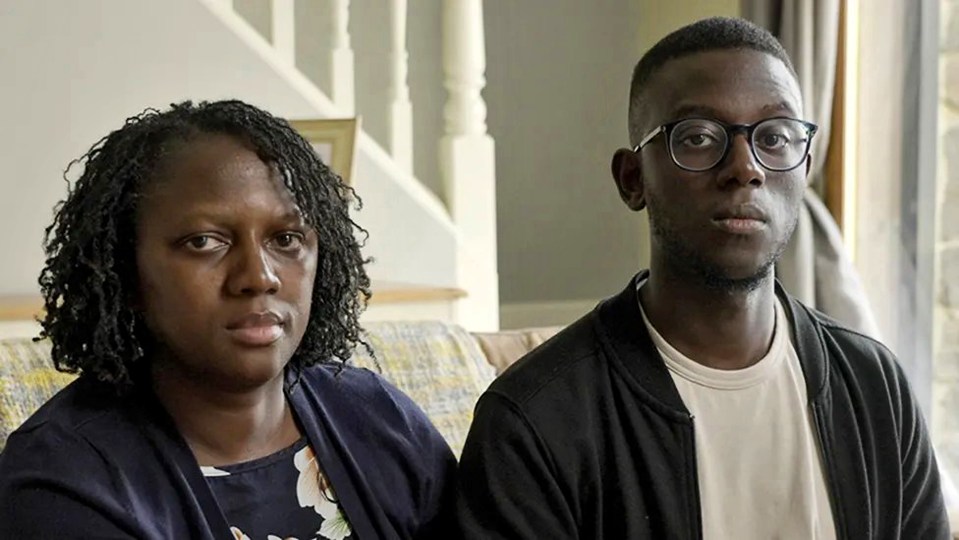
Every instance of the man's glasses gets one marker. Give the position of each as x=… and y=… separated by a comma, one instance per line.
x=699, y=144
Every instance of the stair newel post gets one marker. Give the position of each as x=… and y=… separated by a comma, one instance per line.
x=401, y=110
x=467, y=164
x=341, y=59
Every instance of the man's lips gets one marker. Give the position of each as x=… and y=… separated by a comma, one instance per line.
x=256, y=329
x=741, y=219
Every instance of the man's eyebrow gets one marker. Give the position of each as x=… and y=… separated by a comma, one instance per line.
x=782, y=106
x=684, y=111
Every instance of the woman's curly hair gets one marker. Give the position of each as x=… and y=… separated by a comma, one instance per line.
x=89, y=281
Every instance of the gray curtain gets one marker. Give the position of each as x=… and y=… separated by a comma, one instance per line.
x=815, y=267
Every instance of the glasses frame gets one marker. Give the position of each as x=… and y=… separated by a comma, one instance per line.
x=731, y=131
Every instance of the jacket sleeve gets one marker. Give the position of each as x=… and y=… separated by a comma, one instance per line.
x=923, y=508
x=508, y=483
x=53, y=485
x=437, y=487
x=429, y=465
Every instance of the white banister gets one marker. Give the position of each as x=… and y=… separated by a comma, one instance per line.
x=401, y=110
x=283, y=24
x=467, y=164
x=464, y=65
x=341, y=58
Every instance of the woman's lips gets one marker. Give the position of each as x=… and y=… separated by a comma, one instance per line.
x=257, y=329
x=257, y=336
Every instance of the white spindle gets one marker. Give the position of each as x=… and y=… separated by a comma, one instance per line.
x=283, y=29
x=401, y=111
x=341, y=58
x=464, y=64
x=467, y=163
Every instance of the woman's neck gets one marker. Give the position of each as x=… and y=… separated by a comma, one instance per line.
x=224, y=426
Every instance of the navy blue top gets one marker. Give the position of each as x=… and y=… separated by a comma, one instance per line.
x=282, y=495
x=88, y=464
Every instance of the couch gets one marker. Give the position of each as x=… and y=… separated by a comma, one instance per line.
x=440, y=366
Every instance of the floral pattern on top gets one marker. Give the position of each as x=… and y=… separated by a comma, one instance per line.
x=240, y=489
x=313, y=489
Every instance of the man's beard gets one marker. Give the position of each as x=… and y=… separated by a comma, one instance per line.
x=713, y=276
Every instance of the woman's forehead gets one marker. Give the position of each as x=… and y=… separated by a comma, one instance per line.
x=218, y=172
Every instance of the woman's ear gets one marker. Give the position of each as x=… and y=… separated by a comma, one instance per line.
x=628, y=176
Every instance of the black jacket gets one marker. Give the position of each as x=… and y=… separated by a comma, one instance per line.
x=587, y=437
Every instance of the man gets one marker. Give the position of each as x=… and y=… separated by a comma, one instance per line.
x=702, y=401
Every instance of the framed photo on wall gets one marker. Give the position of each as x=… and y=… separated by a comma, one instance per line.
x=334, y=140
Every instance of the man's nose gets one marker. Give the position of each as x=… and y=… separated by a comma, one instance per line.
x=740, y=164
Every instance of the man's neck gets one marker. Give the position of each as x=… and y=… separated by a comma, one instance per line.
x=224, y=427
x=722, y=329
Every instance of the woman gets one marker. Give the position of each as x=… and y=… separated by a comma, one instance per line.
x=204, y=280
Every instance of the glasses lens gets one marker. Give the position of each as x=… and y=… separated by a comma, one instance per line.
x=781, y=143
x=697, y=144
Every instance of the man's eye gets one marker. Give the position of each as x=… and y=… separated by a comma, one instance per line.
x=698, y=140
x=773, y=141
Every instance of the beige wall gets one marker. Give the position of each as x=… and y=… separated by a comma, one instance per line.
x=556, y=89
x=557, y=93
x=661, y=17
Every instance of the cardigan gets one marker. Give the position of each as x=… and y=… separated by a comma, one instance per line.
x=91, y=464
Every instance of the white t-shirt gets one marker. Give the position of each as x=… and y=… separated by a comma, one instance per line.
x=760, y=471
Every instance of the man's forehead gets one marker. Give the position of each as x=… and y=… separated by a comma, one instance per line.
x=736, y=85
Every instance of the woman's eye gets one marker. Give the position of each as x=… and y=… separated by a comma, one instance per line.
x=289, y=241
x=203, y=242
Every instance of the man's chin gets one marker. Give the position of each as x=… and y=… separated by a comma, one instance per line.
x=736, y=278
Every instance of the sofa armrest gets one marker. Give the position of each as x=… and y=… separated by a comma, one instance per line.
x=507, y=346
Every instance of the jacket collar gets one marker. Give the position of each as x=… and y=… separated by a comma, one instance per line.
x=626, y=341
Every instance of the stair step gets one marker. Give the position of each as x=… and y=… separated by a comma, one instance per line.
x=20, y=308
x=389, y=292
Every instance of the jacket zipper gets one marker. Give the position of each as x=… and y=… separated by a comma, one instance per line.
x=837, y=514
x=695, y=511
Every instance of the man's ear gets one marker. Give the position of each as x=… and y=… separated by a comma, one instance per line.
x=628, y=176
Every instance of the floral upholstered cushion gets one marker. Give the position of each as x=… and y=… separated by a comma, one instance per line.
x=27, y=380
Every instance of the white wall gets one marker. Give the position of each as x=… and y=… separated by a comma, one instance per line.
x=73, y=71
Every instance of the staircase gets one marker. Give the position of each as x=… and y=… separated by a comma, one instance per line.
x=77, y=69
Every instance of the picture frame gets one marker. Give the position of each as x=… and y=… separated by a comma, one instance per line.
x=334, y=139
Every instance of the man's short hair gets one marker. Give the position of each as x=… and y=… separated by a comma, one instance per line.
x=711, y=34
